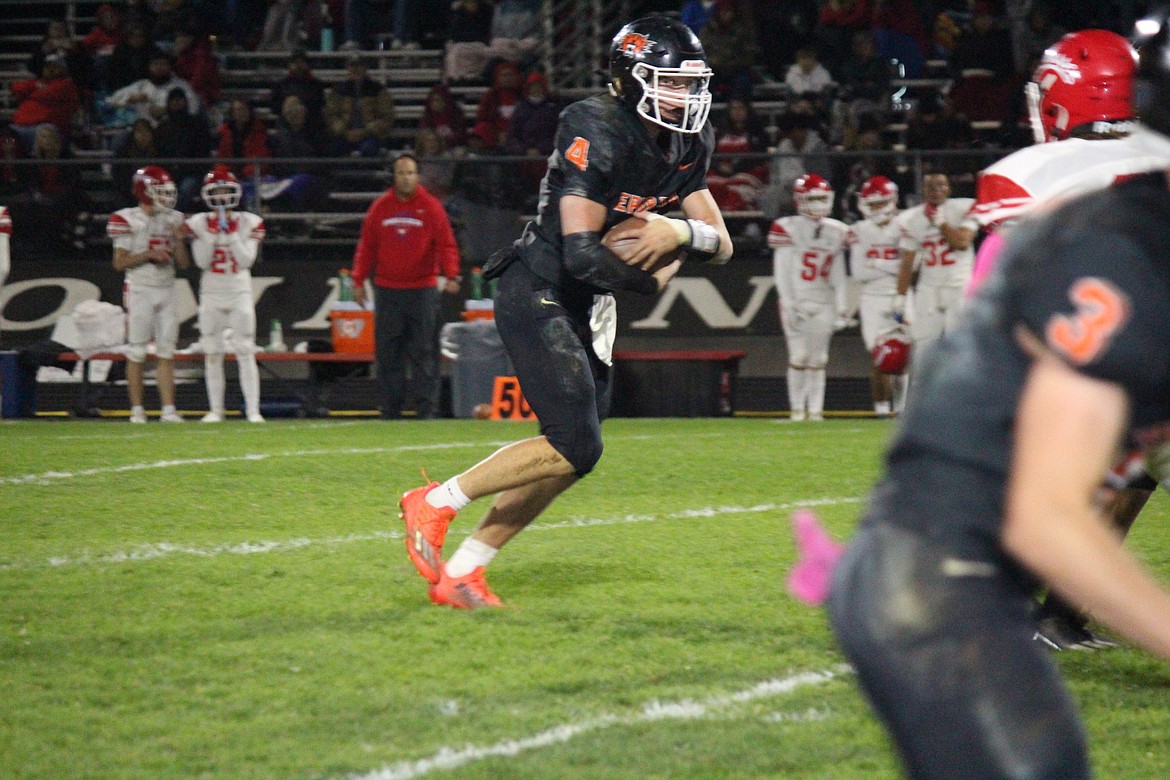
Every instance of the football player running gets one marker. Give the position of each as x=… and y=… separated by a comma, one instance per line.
x=148, y=248
x=875, y=261
x=808, y=265
x=1081, y=106
x=1062, y=358
x=224, y=244
x=937, y=247
x=643, y=149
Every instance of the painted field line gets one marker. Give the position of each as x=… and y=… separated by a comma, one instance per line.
x=156, y=550
x=51, y=477
x=447, y=758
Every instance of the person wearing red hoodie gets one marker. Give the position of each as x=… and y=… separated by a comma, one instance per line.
x=51, y=99
x=406, y=240
x=499, y=101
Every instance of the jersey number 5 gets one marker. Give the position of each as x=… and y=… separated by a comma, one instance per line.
x=1101, y=310
x=224, y=262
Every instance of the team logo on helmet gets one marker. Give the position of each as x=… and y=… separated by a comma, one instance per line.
x=634, y=43
x=1057, y=66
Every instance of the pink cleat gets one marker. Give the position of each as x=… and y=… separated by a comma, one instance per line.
x=809, y=578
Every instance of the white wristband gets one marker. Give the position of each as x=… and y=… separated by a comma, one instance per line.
x=704, y=238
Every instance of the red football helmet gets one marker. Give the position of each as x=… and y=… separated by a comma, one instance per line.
x=878, y=199
x=891, y=353
x=1086, y=76
x=153, y=186
x=221, y=188
x=813, y=196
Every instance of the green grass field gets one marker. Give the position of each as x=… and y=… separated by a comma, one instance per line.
x=234, y=601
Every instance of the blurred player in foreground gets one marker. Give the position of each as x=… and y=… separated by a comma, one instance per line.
x=989, y=486
x=808, y=265
x=225, y=243
x=642, y=149
x=1080, y=101
x=148, y=248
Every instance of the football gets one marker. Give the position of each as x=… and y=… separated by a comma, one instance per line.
x=620, y=241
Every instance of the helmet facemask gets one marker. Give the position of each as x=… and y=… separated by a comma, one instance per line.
x=689, y=102
x=222, y=194
x=815, y=205
x=878, y=210
x=163, y=194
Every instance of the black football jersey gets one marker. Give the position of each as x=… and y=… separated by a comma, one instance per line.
x=1092, y=281
x=604, y=153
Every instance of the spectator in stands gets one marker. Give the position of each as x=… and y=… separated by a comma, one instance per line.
x=174, y=17
x=295, y=136
x=468, y=34
x=932, y=124
x=359, y=112
x=696, y=13
x=800, y=151
x=732, y=51
x=515, y=31
x=138, y=149
x=196, y=63
x=902, y=34
x=534, y=122
x=186, y=135
x=52, y=99
x=436, y=167
x=59, y=41
x=787, y=25
x=282, y=26
x=865, y=78
x=243, y=134
x=148, y=97
x=737, y=183
x=130, y=60
x=299, y=81
x=984, y=45
x=106, y=34
x=52, y=197
x=498, y=103
x=443, y=114
x=863, y=137
x=836, y=24
x=808, y=77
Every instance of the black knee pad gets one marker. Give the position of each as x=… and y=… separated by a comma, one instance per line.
x=582, y=451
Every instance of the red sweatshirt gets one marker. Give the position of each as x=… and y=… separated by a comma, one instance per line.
x=405, y=243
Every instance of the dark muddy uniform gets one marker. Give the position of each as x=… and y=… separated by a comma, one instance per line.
x=605, y=154
x=926, y=603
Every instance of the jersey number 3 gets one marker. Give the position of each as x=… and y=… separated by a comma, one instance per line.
x=578, y=153
x=1083, y=335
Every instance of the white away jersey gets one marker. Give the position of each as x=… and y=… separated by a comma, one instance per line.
x=938, y=265
x=226, y=256
x=808, y=257
x=1047, y=174
x=874, y=256
x=136, y=231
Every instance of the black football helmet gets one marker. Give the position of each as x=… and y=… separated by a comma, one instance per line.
x=657, y=67
x=1151, y=93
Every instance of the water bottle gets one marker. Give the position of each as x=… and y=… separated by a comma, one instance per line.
x=345, y=286
x=276, y=339
x=326, y=28
x=476, y=284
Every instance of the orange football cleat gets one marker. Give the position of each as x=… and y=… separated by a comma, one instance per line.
x=426, y=528
x=470, y=591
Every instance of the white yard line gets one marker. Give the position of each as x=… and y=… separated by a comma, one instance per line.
x=149, y=552
x=446, y=758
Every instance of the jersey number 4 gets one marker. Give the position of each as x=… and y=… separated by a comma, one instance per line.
x=223, y=262
x=578, y=153
x=1101, y=310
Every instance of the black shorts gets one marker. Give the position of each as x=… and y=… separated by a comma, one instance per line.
x=546, y=332
x=943, y=648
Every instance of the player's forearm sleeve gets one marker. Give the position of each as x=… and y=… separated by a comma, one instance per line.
x=245, y=250
x=588, y=260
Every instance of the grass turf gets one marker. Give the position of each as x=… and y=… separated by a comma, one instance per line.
x=235, y=601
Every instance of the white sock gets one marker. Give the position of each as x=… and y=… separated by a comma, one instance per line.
x=249, y=383
x=213, y=371
x=470, y=556
x=448, y=496
x=898, y=392
x=137, y=410
x=168, y=409
x=796, y=390
x=815, y=389
x=881, y=408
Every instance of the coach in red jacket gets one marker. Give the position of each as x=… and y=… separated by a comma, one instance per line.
x=406, y=241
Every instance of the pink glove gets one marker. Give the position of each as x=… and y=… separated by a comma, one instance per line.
x=809, y=578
